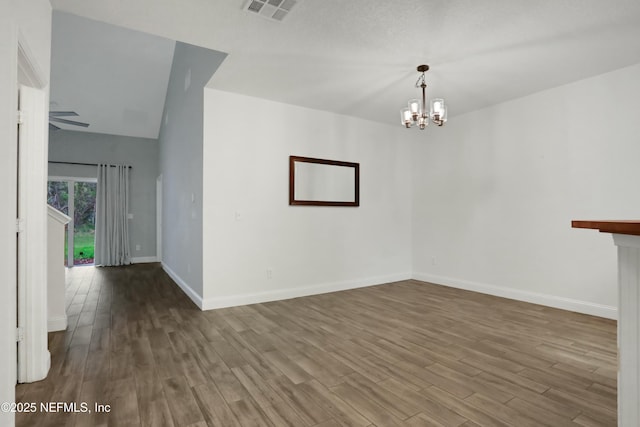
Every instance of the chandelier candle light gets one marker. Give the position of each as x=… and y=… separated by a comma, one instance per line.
x=416, y=112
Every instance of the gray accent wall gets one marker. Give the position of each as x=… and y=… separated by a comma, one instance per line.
x=181, y=138
x=140, y=153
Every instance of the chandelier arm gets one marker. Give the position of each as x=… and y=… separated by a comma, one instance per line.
x=424, y=98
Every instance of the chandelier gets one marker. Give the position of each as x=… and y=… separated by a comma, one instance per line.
x=416, y=112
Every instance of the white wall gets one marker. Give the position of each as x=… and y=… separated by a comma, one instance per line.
x=140, y=153
x=495, y=192
x=247, y=144
x=180, y=163
x=56, y=280
x=33, y=21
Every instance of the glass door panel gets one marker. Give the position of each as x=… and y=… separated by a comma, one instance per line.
x=58, y=198
x=84, y=221
x=77, y=199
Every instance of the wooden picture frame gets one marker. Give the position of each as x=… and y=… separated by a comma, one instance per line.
x=335, y=193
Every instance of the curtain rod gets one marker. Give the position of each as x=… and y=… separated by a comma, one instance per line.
x=81, y=164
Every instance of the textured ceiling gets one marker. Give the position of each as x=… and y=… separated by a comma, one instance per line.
x=358, y=57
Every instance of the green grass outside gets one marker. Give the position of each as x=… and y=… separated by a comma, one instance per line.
x=83, y=241
x=83, y=245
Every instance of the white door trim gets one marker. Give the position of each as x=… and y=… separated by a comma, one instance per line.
x=159, y=218
x=34, y=359
x=71, y=225
x=28, y=67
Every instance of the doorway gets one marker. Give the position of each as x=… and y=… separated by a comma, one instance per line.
x=76, y=198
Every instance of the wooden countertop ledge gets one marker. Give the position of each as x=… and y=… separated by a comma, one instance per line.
x=616, y=227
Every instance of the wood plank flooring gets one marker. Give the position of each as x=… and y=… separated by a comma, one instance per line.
x=401, y=354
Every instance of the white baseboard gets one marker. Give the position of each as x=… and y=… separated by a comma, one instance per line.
x=143, y=259
x=569, y=304
x=58, y=323
x=197, y=299
x=283, y=294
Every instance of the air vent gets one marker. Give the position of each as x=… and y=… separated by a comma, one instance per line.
x=275, y=10
x=279, y=15
x=255, y=6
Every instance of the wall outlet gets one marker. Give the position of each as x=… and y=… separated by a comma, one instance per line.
x=238, y=216
x=433, y=261
x=269, y=273
x=138, y=247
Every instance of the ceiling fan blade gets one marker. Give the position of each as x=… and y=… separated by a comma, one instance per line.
x=62, y=113
x=53, y=127
x=69, y=122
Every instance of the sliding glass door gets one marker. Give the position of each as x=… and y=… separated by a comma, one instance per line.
x=77, y=199
x=84, y=222
x=58, y=198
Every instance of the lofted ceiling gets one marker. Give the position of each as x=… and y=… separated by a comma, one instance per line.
x=115, y=79
x=358, y=57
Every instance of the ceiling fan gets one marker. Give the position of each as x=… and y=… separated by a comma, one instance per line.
x=54, y=116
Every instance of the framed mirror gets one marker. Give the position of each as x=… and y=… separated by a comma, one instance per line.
x=321, y=182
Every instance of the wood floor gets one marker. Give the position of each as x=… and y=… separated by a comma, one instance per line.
x=402, y=354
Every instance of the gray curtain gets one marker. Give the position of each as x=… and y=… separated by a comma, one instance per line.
x=112, y=210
